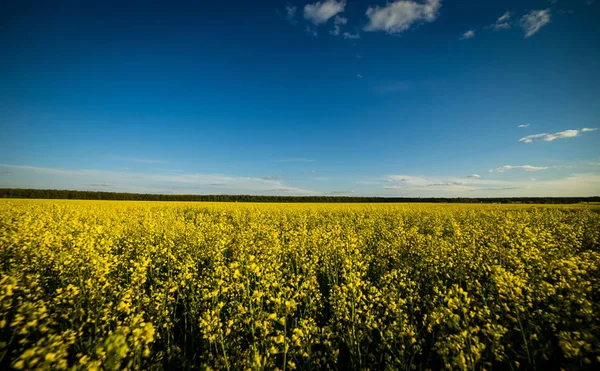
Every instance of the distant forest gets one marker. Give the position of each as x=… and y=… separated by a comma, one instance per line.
x=92, y=195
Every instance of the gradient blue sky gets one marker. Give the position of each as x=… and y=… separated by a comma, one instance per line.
x=406, y=98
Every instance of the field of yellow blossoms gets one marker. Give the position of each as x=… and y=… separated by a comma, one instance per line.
x=150, y=285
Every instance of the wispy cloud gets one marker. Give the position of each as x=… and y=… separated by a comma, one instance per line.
x=289, y=14
x=468, y=35
x=495, y=189
x=501, y=23
x=191, y=183
x=524, y=125
x=40, y=169
x=583, y=184
x=561, y=134
x=474, y=176
x=295, y=159
x=340, y=20
x=337, y=24
x=504, y=18
x=359, y=76
x=401, y=15
x=322, y=11
x=312, y=31
x=351, y=36
x=519, y=167
x=446, y=184
x=533, y=21
x=419, y=183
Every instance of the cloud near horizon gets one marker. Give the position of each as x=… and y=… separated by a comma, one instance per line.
x=520, y=167
x=418, y=183
x=118, y=181
x=578, y=184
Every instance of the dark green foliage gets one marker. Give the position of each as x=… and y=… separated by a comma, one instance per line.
x=94, y=195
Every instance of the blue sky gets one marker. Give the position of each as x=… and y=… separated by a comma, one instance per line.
x=373, y=98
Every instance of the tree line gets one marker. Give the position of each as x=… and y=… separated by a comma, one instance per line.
x=99, y=195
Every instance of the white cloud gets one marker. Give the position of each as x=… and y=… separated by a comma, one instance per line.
x=400, y=15
x=359, y=76
x=561, y=134
x=530, y=138
x=446, y=184
x=524, y=126
x=534, y=20
x=418, y=183
x=520, y=167
x=584, y=184
x=321, y=11
x=348, y=35
x=468, y=35
x=505, y=17
x=501, y=23
x=474, y=176
x=272, y=177
x=501, y=26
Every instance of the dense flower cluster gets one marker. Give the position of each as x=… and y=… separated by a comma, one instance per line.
x=114, y=285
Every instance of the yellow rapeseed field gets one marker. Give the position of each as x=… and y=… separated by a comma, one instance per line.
x=150, y=285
